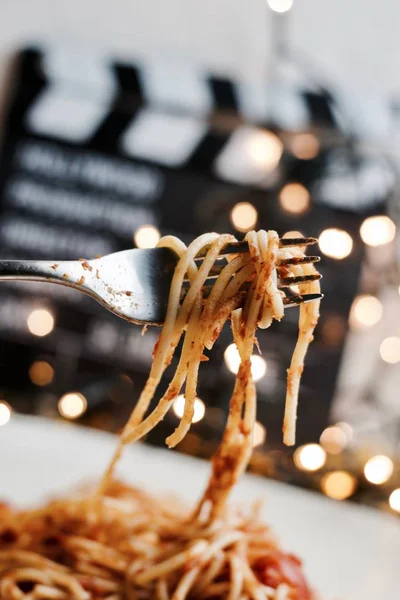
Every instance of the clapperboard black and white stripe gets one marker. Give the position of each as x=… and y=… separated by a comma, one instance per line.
x=95, y=147
x=162, y=114
x=167, y=115
x=166, y=92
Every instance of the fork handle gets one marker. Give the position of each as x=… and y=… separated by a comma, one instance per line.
x=64, y=272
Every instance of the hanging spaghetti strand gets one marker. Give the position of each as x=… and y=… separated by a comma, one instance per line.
x=121, y=543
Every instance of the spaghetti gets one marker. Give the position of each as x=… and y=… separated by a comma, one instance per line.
x=121, y=543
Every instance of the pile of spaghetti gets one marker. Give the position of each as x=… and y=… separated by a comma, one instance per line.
x=119, y=542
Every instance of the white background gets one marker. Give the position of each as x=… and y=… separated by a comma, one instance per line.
x=350, y=552
x=356, y=42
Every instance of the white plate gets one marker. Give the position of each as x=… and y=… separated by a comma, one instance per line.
x=350, y=553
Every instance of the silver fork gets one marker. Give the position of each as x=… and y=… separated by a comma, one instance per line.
x=134, y=284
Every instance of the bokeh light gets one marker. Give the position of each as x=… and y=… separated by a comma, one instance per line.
x=347, y=429
x=265, y=149
x=394, y=500
x=146, y=236
x=280, y=6
x=199, y=408
x=339, y=485
x=309, y=457
x=366, y=311
x=377, y=231
x=333, y=440
x=232, y=358
x=41, y=373
x=40, y=322
x=304, y=146
x=335, y=243
x=232, y=361
x=244, y=216
x=259, y=434
x=5, y=413
x=258, y=367
x=390, y=350
x=294, y=198
x=293, y=234
x=72, y=405
x=378, y=469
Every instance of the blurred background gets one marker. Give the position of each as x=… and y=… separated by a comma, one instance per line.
x=137, y=119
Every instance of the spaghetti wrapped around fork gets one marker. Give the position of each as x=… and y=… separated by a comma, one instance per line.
x=120, y=543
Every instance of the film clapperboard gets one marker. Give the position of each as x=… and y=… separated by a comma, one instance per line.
x=94, y=148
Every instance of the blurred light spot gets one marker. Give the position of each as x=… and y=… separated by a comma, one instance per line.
x=333, y=330
x=40, y=322
x=294, y=198
x=377, y=231
x=265, y=149
x=293, y=234
x=5, y=413
x=232, y=361
x=244, y=216
x=259, y=434
x=339, y=485
x=390, y=350
x=258, y=367
x=304, y=146
x=280, y=6
x=366, y=311
x=309, y=457
x=347, y=429
x=232, y=358
x=72, y=405
x=41, y=373
x=146, y=236
x=250, y=156
x=199, y=408
x=333, y=440
x=335, y=243
x=378, y=469
x=394, y=500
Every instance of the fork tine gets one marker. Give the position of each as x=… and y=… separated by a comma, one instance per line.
x=288, y=301
x=296, y=300
x=289, y=281
x=217, y=268
x=306, y=241
x=239, y=247
x=299, y=261
x=282, y=281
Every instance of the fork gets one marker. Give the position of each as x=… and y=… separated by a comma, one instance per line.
x=134, y=284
